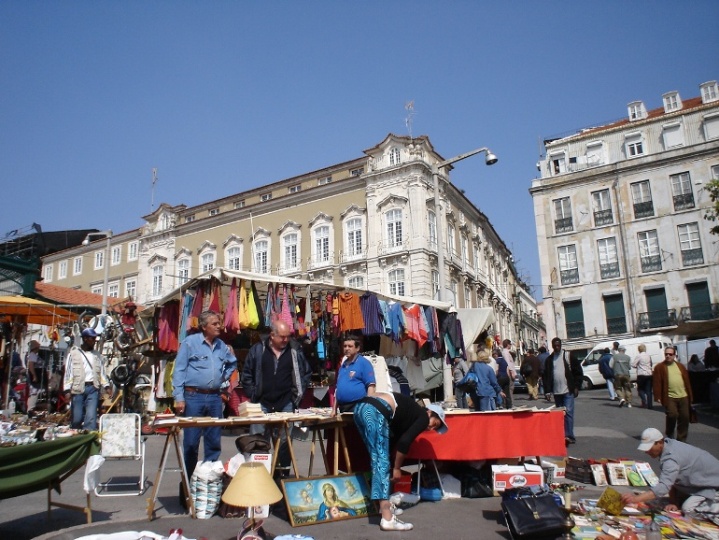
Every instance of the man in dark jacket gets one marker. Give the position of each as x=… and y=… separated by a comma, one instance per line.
x=531, y=370
x=605, y=368
x=276, y=376
x=562, y=378
x=673, y=389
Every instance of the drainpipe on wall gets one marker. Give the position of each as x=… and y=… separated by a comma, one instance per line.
x=625, y=264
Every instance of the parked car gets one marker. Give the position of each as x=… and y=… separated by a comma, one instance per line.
x=655, y=347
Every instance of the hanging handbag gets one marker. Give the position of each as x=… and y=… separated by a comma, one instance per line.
x=533, y=517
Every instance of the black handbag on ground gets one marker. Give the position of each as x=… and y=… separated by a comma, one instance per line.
x=533, y=517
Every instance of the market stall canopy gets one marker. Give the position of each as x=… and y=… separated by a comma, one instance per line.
x=225, y=276
x=36, y=311
x=474, y=322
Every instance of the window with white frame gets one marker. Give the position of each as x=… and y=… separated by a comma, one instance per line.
x=634, y=145
x=295, y=189
x=682, y=193
x=130, y=288
x=690, y=244
x=207, y=261
x=356, y=282
x=240, y=204
x=290, y=257
x=464, y=246
x=132, y=251
x=262, y=248
x=190, y=218
x=467, y=296
x=450, y=239
x=357, y=172
x=394, y=156
x=710, y=91
x=183, y=271
x=563, y=215
x=62, y=270
x=715, y=172
x=158, y=273
x=711, y=126
x=113, y=290
x=672, y=135
x=608, y=259
x=77, y=266
x=602, y=208
x=265, y=197
x=354, y=237
x=649, y=254
x=432, y=221
x=213, y=211
x=116, y=255
x=47, y=273
x=99, y=260
x=324, y=181
x=568, y=267
x=435, y=283
x=454, y=288
x=233, y=256
x=642, y=199
x=475, y=254
x=393, y=220
x=637, y=111
x=396, y=281
x=96, y=289
x=321, y=244
x=558, y=163
x=672, y=102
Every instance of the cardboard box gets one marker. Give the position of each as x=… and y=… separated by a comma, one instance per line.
x=266, y=459
x=509, y=476
x=555, y=470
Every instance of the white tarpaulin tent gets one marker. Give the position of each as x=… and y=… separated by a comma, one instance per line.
x=474, y=322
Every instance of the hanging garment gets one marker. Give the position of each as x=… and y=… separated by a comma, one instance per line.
x=385, y=317
x=244, y=309
x=232, y=321
x=258, y=304
x=253, y=312
x=215, y=303
x=396, y=319
x=187, y=301
x=167, y=326
x=285, y=314
x=269, y=304
x=415, y=328
x=350, y=312
x=194, y=322
x=308, y=311
x=372, y=314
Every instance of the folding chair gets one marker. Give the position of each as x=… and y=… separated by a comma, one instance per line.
x=122, y=440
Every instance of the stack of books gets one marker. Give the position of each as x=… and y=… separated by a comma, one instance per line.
x=248, y=409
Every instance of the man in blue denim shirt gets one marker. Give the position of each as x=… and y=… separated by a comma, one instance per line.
x=203, y=363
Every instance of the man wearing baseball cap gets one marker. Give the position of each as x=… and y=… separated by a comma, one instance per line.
x=84, y=377
x=689, y=475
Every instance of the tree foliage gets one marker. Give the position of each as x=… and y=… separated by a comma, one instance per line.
x=712, y=213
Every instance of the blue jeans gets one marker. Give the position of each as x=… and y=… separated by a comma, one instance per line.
x=566, y=401
x=484, y=403
x=84, y=409
x=201, y=405
x=610, y=387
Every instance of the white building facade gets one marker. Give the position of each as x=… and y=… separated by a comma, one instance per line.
x=624, y=246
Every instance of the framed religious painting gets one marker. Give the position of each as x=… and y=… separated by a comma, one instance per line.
x=311, y=501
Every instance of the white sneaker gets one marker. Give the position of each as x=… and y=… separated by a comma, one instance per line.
x=629, y=405
x=396, y=511
x=622, y=402
x=394, y=525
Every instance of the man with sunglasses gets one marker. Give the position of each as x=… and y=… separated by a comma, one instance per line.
x=673, y=390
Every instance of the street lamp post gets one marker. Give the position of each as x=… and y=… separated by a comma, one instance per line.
x=108, y=235
x=490, y=159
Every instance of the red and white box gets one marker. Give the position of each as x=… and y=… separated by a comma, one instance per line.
x=514, y=476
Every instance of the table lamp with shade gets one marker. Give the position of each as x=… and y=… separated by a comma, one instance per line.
x=251, y=486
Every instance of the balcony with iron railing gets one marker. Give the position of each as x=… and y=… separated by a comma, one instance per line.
x=644, y=209
x=651, y=263
x=603, y=217
x=575, y=330
x=616, y=325
x=570, y=276
x=699, y=312
x=563, y=225
x=320, y=260
x=657, y=319
x=685, y=201
x=692, y=257
x=609, y=270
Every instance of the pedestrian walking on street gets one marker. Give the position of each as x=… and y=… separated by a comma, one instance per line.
x=623, y=386
x=562, y=378
x=674, y=391
x=643, y=364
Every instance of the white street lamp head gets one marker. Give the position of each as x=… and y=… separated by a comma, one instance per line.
x=491, y=159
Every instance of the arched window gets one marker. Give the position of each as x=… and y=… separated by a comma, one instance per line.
x=290, y=257
x=354, y=237
x=262, y=248
x=234, y=258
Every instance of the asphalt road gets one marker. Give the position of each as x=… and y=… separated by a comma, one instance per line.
x=603, y=430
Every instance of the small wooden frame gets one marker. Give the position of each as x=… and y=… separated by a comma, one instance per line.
x=311, y=501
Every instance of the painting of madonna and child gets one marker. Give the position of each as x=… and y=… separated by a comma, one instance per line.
x=330, y=498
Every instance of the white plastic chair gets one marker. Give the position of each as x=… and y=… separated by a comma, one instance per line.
x=122, y=440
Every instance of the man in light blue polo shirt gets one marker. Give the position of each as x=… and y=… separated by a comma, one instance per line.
x=355, y=377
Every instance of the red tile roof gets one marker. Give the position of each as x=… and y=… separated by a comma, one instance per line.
x=73, y=297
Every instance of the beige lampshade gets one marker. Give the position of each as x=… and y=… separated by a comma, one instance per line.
x=252, y=485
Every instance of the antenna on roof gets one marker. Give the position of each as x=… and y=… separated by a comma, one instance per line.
x=409, y=106
x=152, y=191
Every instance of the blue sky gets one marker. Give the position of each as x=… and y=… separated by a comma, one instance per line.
x=222, y=96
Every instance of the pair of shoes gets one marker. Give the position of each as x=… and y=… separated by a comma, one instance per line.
x=569, y=440
x=395, y=511
x=394, y=525
x=622, y=402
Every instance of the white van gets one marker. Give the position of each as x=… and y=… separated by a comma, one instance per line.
x=655, y=347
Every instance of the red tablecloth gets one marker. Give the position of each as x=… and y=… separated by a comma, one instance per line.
x=476, y=436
